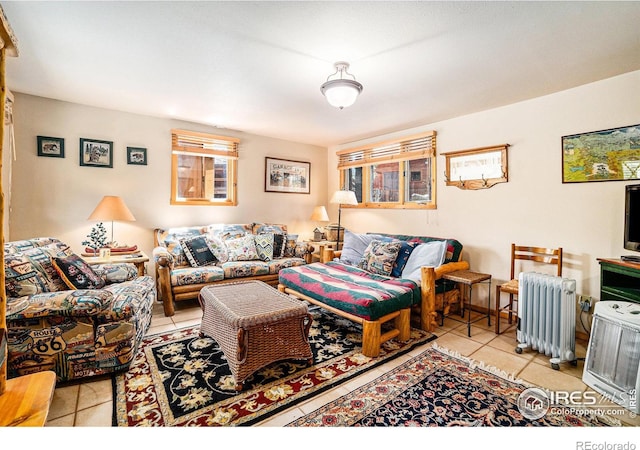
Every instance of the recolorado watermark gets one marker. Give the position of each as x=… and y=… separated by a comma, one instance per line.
x=535, y=403
x=590, y=445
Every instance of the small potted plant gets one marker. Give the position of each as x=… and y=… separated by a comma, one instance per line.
x=97, y=238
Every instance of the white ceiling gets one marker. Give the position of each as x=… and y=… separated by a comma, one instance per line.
x=257, y=67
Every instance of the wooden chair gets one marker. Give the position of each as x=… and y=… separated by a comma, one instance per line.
x=537, y=255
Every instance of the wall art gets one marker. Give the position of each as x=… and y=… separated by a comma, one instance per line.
x=283, y=175
x=51, y=146
x=96, y=153
x=137, y=155
x=606, y=155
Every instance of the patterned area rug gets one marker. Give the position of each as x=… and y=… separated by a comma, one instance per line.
x=438, y=388
x=180, y=379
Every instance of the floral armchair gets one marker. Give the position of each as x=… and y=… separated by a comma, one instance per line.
x=66, y=316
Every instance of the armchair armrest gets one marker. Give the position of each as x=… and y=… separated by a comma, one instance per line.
x=450, y=267
x=428, y=291
x=163, y=257
x=73, y=303
x=116, y=272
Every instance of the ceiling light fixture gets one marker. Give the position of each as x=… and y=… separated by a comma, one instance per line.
x=339, y=91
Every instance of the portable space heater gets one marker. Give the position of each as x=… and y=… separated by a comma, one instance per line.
x=547, y=316
x=613, y=354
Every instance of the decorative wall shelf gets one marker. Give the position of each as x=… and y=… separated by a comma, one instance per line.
x=477, y=168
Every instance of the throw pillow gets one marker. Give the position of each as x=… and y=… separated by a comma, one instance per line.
x=264, y=246
x=242, y=248
x=290, y=245
x=279, y=241
x=379, y=257
x=354, y=245
x=198, y=251
x=219, y=248
x=76, y=273
x=427, y=254
x=403, y=256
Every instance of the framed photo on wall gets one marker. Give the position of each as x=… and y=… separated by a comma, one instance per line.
x=284, y=175
x=96, y=153
x=51, y=146
x=137, y=156
x=606, y=155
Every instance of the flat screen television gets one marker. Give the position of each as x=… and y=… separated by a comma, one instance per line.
x=632, y=220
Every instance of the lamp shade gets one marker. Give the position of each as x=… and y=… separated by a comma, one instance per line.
x=344, y=198
x=319, y=214
x=112, y=208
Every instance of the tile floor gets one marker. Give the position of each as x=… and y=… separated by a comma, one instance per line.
x=89, y=403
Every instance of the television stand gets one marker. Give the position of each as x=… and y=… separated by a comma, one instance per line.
x=632, y=258
x=619, y=280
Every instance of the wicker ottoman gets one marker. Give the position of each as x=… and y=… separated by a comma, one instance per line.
x=255, y=325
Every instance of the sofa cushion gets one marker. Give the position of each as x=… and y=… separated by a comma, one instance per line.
x=279, y=244
x=184, y=276
x=77, y=274
x=264, y=246
x=198, y=251
x=379, y=257
x=427, y=254
x=453, y=250
x=276, y=265
x=239, y=269
x=229, y=230
x=262, y=228
x=242, y=248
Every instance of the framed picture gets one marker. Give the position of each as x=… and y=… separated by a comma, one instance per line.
x=283, y=175
x=137, y=155
x=96, y=153
x=606, y=155
x=51, y=146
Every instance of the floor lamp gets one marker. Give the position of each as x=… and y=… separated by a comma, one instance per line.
x=342, y=198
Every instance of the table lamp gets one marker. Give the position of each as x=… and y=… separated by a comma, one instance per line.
x=112, y=208
x=319, y=214
x=343, y=198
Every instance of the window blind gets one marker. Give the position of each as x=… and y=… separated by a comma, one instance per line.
x=412, y=147
x=203, y=144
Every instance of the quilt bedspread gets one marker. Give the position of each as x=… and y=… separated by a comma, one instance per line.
x=351, y=289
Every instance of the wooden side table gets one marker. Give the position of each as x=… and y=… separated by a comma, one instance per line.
x=319, y=247
x=26, y=400
x=138, y=258
x=469, y=278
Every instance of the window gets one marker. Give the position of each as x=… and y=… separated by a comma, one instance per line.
x=203, y=169
x=392, y=174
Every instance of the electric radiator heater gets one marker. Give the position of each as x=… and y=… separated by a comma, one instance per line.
x=547, y=316
x=612, y=366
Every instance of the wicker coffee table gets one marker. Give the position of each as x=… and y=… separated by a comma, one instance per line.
x=255, y=325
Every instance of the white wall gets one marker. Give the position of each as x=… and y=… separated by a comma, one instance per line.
x=54, y=196
x=534, y=207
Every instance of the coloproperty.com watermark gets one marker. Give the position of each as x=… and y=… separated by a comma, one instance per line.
x=535, y=403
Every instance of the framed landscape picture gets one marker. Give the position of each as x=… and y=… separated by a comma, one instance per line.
x=51, y=146
x=137, y=155
x=606, y=155
x=96, y=153
x=283, y=175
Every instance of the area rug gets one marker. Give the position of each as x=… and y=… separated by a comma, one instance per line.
x=182, y=379
x=440, y=388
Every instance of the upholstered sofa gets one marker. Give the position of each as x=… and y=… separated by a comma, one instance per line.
x=379, y=279
x=69, y=317
x=190, y=258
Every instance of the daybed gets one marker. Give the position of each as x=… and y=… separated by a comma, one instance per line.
x=380, y=278
x=66, y=316
x=190, y=258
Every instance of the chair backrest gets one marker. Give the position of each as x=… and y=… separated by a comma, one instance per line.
x=541, y=255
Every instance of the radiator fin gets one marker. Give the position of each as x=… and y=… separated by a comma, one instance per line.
x=547, y=315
